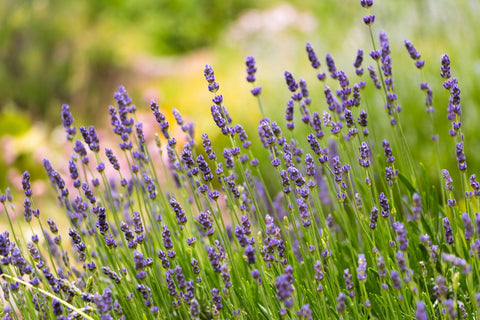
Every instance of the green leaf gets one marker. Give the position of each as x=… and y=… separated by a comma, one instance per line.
x=406, y=183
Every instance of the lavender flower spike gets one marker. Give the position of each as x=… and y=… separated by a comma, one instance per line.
x=421, y=312
x=67, y=120
x=414, y=54
x=27, y=189
x=251, y=70
x=448, y=180
x=366, y=3
x=445, y=68
x=210, y=77
x=312, y=56
x=331, y=66
x=384, y=204
x=291, y=83
x=362, y=267
x=358, y=63
x=448, y=231
x=469, y=231
x=341, y=299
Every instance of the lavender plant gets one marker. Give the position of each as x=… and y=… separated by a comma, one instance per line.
x=343, y=224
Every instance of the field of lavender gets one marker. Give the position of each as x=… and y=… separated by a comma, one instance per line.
x=332, y=217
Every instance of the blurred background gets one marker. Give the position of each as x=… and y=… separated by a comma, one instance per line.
x=78, y=52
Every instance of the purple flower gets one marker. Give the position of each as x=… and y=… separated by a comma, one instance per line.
x=112, y=158
x=284, y=286
x=374, y=77
x=331, y=66
x=90, y=137
x=448, y=231
x=318, y=271
x=452, y=311
x=216, y=298
x=445, y=68
x=205, y=219
x=210, y=77
x=109, y=241
x=312, y=56
x=266, y=133
x=290, y=80
x=421, y=311
x=347, y=276
x=289, y=114
x=397, y=284
x=160, y=117
x=414, y=54
x=390, y=174
x=217, y=99
x=454, y=109
x=457, y=262
x=373, y=218
x=364, y=159
x=358, y=62
x=194, y=308
x=88, y=193
x=172, y=290
x=462, y=164
x=28, y=211
x=388, y=152
x=448, y=180
x=207, y=145
x=304, y=90
x=52, y=225
x=249, y=253
x=27, y=189
x=256, y=91
x=220, y=118
x=375, y=55
x=309, y=165
x=304, y=212
x=475, y=185
x=305, y=312
x=180, y=277
x=225, y=276
x=166, y=236
x=362, y=267
x=463, y=311
x=424, y=86
x=384, y=204
x=341, y=299
x=242, y=135
x=369, y=20
x=251, y=69
x=216, y=255
x=440, y=289
x=469, y=231
x=179, y=212
x=256, y=275
x=57, y=307
x=402, y=264
x=102, y=223
x=416, y=206
x=366, y=3
x=67, y=120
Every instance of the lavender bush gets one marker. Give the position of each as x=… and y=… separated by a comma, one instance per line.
x=344, y=225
